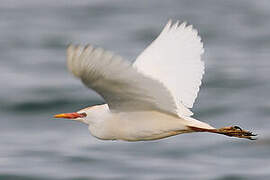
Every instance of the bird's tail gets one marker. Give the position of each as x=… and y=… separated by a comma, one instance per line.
x=196, y=123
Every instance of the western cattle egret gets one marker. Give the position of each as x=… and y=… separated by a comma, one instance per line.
x=150, y=98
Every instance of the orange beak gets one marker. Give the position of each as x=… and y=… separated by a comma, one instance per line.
x=73, y=115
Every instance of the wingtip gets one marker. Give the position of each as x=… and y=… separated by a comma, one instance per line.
x=69, y=46
x=169, y=22
x=175, y=25
x=167, y=27
x=183, y=25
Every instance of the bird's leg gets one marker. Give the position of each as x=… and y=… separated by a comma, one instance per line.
x=236, y=131
x=233, y=131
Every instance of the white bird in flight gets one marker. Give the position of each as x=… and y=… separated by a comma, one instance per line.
x=150, y=98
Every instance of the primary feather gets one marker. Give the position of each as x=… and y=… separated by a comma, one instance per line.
x=174, y=58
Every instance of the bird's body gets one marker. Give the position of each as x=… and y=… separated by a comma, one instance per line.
x=150, y=98
x=134, y=126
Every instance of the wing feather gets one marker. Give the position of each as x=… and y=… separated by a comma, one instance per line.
x=117, y=81
x=174, y=58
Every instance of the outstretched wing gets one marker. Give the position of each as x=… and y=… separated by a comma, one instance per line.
x=117, y=81
x=174, y=58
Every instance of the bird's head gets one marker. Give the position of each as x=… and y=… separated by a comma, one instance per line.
x=87, y=115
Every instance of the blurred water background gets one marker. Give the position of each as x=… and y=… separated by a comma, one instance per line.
x=36, y=85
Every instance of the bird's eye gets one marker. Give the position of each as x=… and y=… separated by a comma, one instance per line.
x=83, y=114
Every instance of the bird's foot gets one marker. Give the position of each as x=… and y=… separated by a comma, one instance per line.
x=236, y=131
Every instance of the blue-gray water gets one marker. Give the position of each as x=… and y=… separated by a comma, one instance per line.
x=35, y=85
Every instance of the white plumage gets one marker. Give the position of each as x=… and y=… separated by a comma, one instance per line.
x=165, y=77
x=117, y=81
x=174, y=59
x=146, y=100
